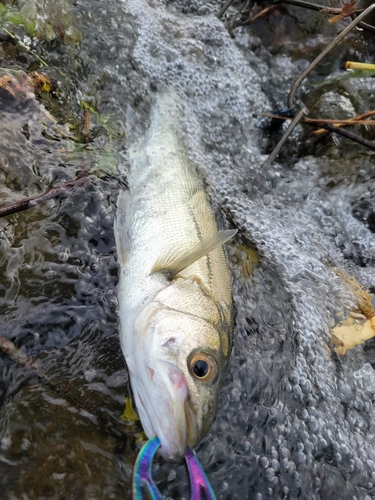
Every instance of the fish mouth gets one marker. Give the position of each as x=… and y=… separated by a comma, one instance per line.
x=192, y=425
x=165, y=411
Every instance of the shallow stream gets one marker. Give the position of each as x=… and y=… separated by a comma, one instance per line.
x=295, y=419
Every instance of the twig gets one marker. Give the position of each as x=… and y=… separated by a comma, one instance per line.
x=15, y=353
x=352, y=119
x=20, y=357
x=86, y=125
x=328, y=125
x=355, y=120
x=317, y=60
x=366, y=26
x=331, y=10
x=55, y=192
x=343, y=123
x=280, y=144
x=261, y=13
x=321, y=122
x=319, y=8
x=347, y=134
x=224, y=8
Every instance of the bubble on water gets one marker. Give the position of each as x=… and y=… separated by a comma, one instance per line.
x=172, y=475
x=59, y=476
x=269, y=474
x=224, y=486
x=64, y=256
x=5, y=442
x=365, y=379
x=90, y=375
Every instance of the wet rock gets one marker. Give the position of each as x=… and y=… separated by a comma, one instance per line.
x=47, y=20
x=335, y=106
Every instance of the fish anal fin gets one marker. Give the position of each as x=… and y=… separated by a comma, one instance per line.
x=170, y=264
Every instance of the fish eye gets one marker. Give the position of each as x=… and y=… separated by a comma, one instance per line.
x=203, y=367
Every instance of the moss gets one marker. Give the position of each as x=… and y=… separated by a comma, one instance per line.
x=56, y=21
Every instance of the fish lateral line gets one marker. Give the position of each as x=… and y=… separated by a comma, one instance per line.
x=173, y=309
x=170, y=265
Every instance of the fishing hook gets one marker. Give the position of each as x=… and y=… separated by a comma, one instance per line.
x=142, y=477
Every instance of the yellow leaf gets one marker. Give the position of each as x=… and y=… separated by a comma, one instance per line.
x=351, y=332
x=129, y=415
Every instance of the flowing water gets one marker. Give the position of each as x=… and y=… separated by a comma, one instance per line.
x=295, y=420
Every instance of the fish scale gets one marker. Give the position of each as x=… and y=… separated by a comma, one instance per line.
x=175, y=299
x=169, y=208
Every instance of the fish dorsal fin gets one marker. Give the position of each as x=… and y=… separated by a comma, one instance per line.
x=170, y=265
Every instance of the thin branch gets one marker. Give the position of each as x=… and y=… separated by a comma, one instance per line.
x=335, y=123
x=20, y=357
x=355, y=120
x=329, y=126
x=317, y=60
x=331, y=10
x=343, y=123
x=276, y=151
x=15, y=353
x=261, y=13
x=319, y=8
x=86, y=125
x=224, y=8
x=54, y=192
x=366, y=26
x=347, y=134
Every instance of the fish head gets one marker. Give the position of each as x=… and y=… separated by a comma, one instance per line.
x=176, y=377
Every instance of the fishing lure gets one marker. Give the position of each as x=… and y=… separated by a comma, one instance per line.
x=142, y=478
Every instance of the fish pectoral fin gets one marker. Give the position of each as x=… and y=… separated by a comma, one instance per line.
x=170, y=265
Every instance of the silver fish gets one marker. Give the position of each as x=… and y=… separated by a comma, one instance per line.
x=175, y=299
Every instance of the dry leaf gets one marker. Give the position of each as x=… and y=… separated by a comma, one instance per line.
x=347, y=10
x=351, y=332
x=41, y=82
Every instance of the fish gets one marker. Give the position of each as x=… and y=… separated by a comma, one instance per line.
x=174, y=292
